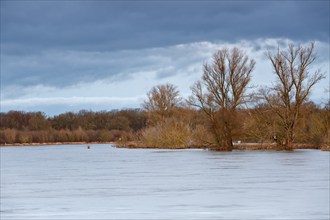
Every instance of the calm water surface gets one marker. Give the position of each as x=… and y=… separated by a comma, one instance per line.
x=72, y=182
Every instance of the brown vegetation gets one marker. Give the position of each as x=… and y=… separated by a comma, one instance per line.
x=84, y=126
x=187, y=128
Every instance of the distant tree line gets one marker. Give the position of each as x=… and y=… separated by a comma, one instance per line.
x=84, y=126
x=221, y=110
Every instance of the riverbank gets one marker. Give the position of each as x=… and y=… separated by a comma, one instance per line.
x=237, y=146
x=53, y=143
x=136, y=145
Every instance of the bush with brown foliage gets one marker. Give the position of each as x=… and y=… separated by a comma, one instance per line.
x=169, y=134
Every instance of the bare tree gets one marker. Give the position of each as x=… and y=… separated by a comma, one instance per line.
x=162, y=100
x=294, y=84
x=222, y=90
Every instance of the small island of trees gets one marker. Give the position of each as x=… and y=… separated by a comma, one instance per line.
x=221, y=114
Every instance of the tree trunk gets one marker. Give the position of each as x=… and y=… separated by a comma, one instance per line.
x=226, y=141
x=228, y=136
x=289, y=139
x=229, y=144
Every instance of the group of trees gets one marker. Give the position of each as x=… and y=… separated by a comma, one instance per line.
x=220, y=110
x=276, y=114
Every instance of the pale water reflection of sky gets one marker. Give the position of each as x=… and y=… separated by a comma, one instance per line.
x=59, y=56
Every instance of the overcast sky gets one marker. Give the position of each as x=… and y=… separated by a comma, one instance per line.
x=59, y=56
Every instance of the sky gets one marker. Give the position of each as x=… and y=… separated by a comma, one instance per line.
x=60, y=56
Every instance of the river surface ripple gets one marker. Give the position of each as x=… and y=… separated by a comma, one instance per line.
x=73, y=182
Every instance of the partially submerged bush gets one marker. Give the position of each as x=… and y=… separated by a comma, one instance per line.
x=169, y=134
x=202, y=137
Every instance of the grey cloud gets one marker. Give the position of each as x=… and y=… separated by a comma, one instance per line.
x=65, y=68
x=110, y=25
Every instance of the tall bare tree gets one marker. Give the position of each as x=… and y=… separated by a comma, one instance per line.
x=161, y=102
x=293, y=85
x=222, y=90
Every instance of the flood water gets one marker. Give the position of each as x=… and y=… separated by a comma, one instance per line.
x=73, y=182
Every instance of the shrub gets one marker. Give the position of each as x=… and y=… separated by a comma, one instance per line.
x=169, y=134
x=8, y=136
x=24, y=138
x=202, y=137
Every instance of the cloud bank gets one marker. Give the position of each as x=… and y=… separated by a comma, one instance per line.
x=90, y=80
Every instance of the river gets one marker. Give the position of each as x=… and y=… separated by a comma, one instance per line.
x=73, y=182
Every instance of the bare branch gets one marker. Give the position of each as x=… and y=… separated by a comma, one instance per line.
x=294, y=84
